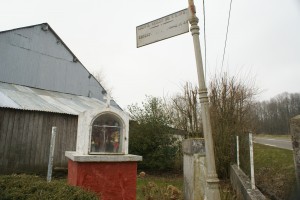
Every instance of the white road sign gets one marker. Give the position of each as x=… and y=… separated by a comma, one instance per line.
x=162, y=28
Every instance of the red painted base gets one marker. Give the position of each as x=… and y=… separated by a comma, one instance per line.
x=110, y=180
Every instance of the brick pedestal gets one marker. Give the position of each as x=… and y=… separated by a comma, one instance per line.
x=112, y=177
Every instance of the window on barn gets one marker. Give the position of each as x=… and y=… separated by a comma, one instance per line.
x=106, y=136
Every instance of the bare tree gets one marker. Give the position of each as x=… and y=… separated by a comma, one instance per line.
x=231, y=103
x=185, y=111
x=273, y=116
x=100, y=77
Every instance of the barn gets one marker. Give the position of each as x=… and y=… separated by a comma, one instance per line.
x=42, y=84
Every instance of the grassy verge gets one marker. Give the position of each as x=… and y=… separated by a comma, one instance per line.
x=274, y=171
x=30, y=187
x=159, y=187
x=165, y=187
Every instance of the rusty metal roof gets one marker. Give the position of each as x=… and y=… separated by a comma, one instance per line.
x=26, y=98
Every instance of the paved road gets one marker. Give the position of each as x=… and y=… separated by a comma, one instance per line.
x=280, y=143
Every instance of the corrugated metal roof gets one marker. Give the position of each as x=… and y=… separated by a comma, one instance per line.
x=35, y=56
x=26, y=98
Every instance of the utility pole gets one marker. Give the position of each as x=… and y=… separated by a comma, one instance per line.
x=212, y=190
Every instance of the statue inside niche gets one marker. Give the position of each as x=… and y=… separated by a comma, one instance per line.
x=105, y=136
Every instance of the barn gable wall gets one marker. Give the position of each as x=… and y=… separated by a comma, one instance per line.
x=34, y=57
x=25, y=140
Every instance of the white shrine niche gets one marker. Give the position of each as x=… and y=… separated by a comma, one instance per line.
x=107, y=135
x=102, y=131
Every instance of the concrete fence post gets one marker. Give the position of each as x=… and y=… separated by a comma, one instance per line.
x=51, y=154
x=237, y=152
x=251, y=161
x=194, y=169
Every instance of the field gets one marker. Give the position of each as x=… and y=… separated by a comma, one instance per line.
x=287, y=137
x=274, y=171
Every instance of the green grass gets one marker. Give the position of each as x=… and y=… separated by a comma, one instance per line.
x=286, y=137
x=274, y=171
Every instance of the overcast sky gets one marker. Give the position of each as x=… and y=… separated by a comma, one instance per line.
x=263, y=41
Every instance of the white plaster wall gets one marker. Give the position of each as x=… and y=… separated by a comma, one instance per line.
x=188, y=171
x=194, y=169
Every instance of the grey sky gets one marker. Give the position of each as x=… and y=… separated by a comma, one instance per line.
x=263, y=40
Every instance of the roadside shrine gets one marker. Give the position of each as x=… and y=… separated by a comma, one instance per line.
x=101, y=162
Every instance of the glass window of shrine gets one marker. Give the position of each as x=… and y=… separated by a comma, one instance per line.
x=106, y=136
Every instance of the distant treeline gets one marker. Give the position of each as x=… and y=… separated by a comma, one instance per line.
x=273, y=116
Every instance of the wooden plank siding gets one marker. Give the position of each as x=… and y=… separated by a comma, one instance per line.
x=25, y=140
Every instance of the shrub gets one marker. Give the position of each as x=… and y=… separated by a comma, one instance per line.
x=151, y=137
x=23, y=187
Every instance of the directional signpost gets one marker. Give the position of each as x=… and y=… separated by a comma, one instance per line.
x=162, y=28
x=171, y=26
